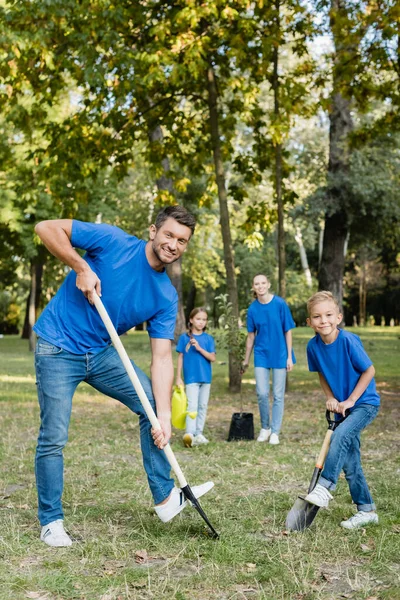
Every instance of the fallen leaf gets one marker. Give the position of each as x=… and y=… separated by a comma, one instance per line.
x=141, y=556
x=251, y=567
x=37, y=595
x=365, y=548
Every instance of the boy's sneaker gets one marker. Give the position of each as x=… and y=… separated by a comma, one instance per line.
x=360, y=519
x=320, y=496
x=177, y=501
x=200, y=439
x=188, y=440
x=264, y=435
x=274, y=439
x=54, y=534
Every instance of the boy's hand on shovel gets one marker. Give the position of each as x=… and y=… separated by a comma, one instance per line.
x=333, y=405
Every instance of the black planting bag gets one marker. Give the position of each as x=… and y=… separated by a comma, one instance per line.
x=242, y=427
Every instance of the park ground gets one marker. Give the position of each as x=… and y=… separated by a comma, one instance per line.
x=122, y=551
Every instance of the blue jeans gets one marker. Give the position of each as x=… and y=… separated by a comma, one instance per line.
x=58, y=374
x=197, y=395
x=344, y=453
x=278, y=389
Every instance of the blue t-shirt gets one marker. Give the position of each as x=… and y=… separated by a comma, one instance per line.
x=196, y=368
x=270, y=322
x=342, y=363
x=132, y=292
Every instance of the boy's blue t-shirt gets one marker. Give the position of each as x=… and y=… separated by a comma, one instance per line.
x=132, y=292
x=196, y=368
x=342, y=363
x=270, y=322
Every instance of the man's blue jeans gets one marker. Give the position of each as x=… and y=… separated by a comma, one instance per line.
x=198, y=395
x=58, y=374
x=278, y=390
x=344, y=453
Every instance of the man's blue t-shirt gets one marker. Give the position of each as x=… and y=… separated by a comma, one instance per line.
x=132, y=292
x=196, y=368
x=342, y=363
x=270, y=322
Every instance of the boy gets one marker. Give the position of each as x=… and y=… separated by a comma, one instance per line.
x=346, y=375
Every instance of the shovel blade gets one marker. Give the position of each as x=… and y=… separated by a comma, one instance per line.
x=192, y=498
x=301, y=515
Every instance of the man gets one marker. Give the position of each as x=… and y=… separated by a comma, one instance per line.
x=73, y=346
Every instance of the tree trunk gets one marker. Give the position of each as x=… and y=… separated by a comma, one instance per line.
x=363, y=294
x=32, y=303
x=234, y=363
x=190, y=302
x=331, y=270
x=303, y=257
x=278, y=167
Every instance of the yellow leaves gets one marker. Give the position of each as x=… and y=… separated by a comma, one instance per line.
x=181, y=184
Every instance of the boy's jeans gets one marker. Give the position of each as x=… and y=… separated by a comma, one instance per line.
x=278, y=389
x=344, y=453
x=197, y=395
x=58, y=374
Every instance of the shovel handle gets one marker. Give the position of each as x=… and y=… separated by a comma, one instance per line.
x=324, y=450
x=137, y=385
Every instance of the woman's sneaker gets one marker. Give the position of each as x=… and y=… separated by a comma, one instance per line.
x=188, y=440
x=177, y=501
x=55, y=535
x=274, y=439
x=264, y=435
x=360, y=519
x=320, y=496
x=200, y=439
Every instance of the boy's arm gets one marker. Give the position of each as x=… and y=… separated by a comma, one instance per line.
x=362, y=384
x=289, y=346
x=179, y=380
x=331, y=402
x=249, y=347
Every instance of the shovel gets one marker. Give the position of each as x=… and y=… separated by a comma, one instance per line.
x=149, y=409
x=303, y=513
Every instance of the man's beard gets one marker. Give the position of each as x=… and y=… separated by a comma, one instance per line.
x=174, y=258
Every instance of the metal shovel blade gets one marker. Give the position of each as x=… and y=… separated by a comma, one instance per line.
x=301, y=515
x=193, y=500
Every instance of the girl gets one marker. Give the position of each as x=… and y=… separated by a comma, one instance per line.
x=196, y=353
x=269, y=322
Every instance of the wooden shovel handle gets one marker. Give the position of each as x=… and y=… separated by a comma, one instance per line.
x=324, y=450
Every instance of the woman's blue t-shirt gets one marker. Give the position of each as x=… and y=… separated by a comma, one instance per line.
x=132, y=292
x=270, y=322
x=342, y=363
x=196, y=367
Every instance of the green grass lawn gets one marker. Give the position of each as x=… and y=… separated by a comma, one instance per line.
x=122, y=551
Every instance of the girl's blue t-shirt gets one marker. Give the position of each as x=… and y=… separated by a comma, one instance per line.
x=342, y=363
x=196, y=367
x=270, y=322
x=132, y=292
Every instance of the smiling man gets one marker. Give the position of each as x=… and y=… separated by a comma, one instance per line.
x=73, y=346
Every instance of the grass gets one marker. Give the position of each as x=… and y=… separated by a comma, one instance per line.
x=122, y=551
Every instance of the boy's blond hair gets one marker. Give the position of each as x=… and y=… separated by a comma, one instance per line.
x=322, y=296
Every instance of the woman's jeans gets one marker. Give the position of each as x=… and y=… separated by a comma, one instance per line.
x=197, y=395
x=344, y=453
x=278, y=390
x=58, y=374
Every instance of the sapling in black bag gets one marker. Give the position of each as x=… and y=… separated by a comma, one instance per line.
x=242, y=427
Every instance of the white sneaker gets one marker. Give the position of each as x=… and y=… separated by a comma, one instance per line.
x=200, y=439
x=264, y=435
x=320, y=496
x=188, y=440
x=177, y=501
x=360, y=519
x=274, y=439
x=54, y=534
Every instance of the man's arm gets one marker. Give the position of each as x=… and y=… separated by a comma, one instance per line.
x=56, y=236
x=162, y=376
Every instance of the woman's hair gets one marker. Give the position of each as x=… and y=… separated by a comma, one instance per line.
x=259, y=275
x=193, y=313
x=322, y=296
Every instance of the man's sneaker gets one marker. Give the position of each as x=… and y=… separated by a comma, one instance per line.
x=54, y=534
x=188, y=440
x=177, y=501
x=200, y=439
x=320, y=496
x=264, y=435
x=360, y=519
x=274, y=439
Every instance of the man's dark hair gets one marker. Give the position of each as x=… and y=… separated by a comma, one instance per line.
x=179, y=213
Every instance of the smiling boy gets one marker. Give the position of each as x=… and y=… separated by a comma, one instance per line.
x=346, y=376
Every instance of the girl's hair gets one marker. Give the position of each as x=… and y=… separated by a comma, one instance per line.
x=193, y=313
x=322, y=296
x=259, y=275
